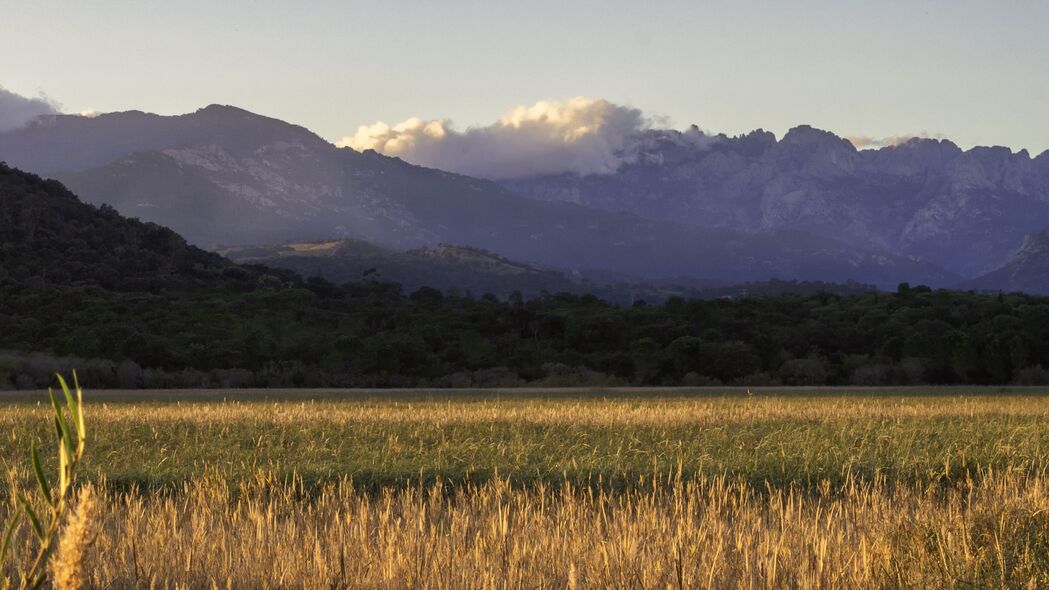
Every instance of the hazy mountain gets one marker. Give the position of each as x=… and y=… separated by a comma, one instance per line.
x=963, y=210
x=1026, y=270
x=64, y=143
x=223, y=175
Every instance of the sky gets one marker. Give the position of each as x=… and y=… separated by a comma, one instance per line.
x=975, y=72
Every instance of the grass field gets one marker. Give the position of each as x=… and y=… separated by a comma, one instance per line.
x=529, y=488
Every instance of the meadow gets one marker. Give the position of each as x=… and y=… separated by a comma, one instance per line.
x=649, y=488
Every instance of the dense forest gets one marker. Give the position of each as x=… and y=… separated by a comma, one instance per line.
x=132, y=305
x=314, y=333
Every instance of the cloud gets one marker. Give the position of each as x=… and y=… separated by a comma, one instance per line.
x=580, y=135
x=862, y=142
x=17, y=110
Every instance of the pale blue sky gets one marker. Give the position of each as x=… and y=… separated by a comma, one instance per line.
x=977, y=72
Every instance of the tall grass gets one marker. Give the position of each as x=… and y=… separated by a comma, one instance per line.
x=45, y=515
x=390, y=441
x=702, y=533
x=648, y=492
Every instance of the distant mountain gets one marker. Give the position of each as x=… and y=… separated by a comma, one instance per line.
x=65, y=143
x=927, y=199
x=223, y=175
x=1026, y=270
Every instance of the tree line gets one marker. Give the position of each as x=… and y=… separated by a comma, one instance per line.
x=314, y=333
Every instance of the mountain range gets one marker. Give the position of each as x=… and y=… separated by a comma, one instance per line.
x=224, y=176
x=964, y=211
x=808, y=206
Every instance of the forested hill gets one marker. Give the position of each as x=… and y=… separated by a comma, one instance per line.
x=48, y=235
x=130, y=304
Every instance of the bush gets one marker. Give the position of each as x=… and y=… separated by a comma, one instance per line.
x=806, y=371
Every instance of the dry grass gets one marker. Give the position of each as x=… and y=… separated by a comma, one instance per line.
x=69, y=564
x=673, y=491
x=390, y=440
x=579, y=411
x=707, y=533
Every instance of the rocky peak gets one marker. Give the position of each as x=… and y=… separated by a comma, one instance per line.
x=225, y=110
x=917, y=155
x=996, y=154
x=755, y=143
x=987, y=167
x=810, y=137
x=816, y=152
x=925, y=145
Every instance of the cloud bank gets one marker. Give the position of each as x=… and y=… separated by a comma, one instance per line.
x=17, y=110
x=579, y=135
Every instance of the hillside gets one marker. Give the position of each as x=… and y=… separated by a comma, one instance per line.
x=461, y=269
x=47, y=236
x=1027, y=270
x=223, y=175
x=445, y=267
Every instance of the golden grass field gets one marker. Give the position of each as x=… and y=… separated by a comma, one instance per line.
x=940, y=488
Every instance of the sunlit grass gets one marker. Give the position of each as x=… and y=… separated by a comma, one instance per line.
x=586, y=490
x=392, y=441
x=700, y=533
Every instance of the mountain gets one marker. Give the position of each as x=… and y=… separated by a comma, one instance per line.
x=223, y=175
x=927, y=199
x=131, y=304
x=1026, y=270
x=62, y=143
x=47, y=236
x=81, y=280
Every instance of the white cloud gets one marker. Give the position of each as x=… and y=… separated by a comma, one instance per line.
x=862, y=142
x=580, y=135
x=17, y=110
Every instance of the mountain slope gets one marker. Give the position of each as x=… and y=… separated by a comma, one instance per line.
x=1026, y=270
x=963, y=210
x=225, y=176
x=48, y=235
